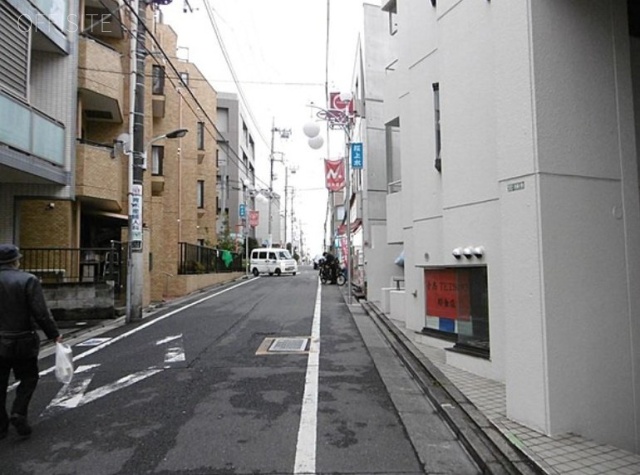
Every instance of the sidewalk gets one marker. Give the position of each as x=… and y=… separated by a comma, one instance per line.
x=566, y=454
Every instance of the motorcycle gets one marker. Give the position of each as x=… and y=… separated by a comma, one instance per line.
x=325, y=275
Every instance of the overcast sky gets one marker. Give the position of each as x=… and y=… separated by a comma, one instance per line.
x=278, y=49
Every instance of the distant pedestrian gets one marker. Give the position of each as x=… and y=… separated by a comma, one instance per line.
x=22, y=305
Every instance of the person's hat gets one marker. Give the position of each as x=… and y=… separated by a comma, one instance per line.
x=9, y=253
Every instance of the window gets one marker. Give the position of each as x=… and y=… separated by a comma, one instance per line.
x=222, y=119
x=391, y=7
x=157, y=159
x=200, y=136
x=200, y=194
x=245, y=134
x=457, y=305
x=201, y=242
x=436, y=109
x=14, y=53
x=157, y=86
x=184, y=77
x=394, y=177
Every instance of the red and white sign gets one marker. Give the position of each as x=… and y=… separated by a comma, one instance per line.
x=334, y=174
x=254, y=218
x=448, y=293
x=336, y=103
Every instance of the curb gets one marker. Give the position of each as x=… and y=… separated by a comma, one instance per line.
x=491, y=449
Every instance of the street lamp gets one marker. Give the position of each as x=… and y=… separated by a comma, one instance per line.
x=135, y=261
x=337, y=119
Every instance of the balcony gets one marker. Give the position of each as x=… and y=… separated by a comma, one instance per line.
x=100, y=179
x=24, y=128
x=100, y=81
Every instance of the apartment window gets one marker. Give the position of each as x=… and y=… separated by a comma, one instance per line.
x=200, y=194
x=157, y=160
x=200, y=136
x=457, y=307
x=157, y=86
x=184, y=77
x=14, y=53
x=436, y=110
x=391, y=7
x=245, y=134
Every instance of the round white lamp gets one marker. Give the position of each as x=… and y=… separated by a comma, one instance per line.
x=311, y=129
x=316, y=142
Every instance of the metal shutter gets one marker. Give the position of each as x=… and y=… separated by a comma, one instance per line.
x=14, y=50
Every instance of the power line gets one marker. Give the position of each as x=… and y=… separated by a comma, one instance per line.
x=167, y=58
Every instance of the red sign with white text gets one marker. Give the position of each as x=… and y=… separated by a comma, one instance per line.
x=334, y=174
x=448, y=293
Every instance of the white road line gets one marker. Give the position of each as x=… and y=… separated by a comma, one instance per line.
x=168, y=339
x=305, y=462
x=148, y=324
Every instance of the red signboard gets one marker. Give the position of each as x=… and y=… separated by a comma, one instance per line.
x=254, y=218
x=334, y=174
x=336, y=103
x=448, y=293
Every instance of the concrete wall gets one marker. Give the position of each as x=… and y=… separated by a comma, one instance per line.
x=539, y=166
x=82, y=301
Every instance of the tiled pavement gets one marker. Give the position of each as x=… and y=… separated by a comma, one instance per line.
x=566, y=454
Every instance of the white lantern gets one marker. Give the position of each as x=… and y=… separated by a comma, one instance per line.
x=345, y=96
x=311, y=129
x=316, y=142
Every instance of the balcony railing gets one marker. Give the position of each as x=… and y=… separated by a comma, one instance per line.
x=74, y=265
x=98, y=175
x=100, y=76
x=29, y=130
x=206, y=260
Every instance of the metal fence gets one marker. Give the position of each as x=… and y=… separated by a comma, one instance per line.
x=196, y=259
x=73, y=265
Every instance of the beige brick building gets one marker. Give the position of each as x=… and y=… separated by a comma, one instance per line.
x=179, y=185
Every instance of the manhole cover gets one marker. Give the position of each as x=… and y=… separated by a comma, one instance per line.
x=293, y=344
x=289, y=344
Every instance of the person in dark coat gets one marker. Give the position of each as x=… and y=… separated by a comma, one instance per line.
x=22, y=306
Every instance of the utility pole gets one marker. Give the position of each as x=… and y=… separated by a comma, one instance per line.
x=285, y=134
x=135, y=276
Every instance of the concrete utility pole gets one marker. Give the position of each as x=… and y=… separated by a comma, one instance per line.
x=135, y=280
x=285, y=134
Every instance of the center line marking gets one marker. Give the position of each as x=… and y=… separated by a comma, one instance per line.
x=306, y=447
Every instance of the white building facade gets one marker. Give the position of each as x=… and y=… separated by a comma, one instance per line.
x=512, y=187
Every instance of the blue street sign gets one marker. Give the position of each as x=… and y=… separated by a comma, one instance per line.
x=356, y=155
x=242, y=211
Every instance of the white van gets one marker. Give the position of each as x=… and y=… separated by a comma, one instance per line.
x=272, y=260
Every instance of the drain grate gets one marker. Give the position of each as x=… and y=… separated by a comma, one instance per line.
x=292, y=344
x=289, y=344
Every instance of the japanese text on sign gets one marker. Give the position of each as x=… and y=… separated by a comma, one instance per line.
x=135, y=217
x=448, y=293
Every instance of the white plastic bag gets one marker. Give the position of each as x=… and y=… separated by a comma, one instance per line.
x=64, y=363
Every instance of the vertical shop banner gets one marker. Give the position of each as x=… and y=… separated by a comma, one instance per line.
x=448, y=293
x=344, y=248
x=254, y=218
x=334, y=174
